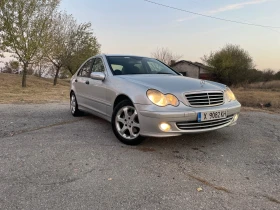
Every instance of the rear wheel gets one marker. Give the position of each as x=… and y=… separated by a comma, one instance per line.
x=125, y=123
x=74, y=105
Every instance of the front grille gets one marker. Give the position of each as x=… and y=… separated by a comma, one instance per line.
x=205, y=98
x=194, y=125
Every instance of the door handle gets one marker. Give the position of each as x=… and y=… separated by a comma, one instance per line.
x=87, y=82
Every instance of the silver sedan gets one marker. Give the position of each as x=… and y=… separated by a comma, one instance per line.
x=142, y=97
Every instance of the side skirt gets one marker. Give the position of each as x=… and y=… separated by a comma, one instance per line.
x=98, y=114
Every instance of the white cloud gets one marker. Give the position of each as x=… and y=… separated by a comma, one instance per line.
x=236, y=6
x=226, y=8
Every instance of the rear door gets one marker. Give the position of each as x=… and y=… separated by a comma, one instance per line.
x=81, y=83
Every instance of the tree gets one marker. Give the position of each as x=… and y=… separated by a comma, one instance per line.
x=41, y=68
x=254, y=75
x=231, y=64
x=82, y=45
x=268, y=75
x=69, y=44
x=277, y=75
x=23, y=27
x=59, y=34
x=165, y=55
x=11, y=67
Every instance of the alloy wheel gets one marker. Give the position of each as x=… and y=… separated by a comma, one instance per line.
x=73, y=104
x=127, y=122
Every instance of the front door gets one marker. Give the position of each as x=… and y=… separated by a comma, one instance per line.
x=96, y=89
x=80, y=83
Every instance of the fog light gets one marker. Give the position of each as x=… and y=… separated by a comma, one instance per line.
x=164, y=127
x=235, y=117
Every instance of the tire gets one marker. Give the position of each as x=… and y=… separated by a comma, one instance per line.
x=125, y=123
x=74, y=105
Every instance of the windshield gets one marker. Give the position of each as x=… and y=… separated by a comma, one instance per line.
x=123, y=65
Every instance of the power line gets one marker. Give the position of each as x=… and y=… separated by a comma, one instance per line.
x=213, y=17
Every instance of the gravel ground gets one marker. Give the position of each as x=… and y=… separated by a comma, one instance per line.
x=51, y=160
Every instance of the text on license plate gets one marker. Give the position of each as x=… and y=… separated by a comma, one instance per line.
x=212, y=115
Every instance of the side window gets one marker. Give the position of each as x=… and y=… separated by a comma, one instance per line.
x=116, y=67
x=98, y=65
x=85, y=69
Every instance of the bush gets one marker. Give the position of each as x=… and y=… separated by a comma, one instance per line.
x=231, y=64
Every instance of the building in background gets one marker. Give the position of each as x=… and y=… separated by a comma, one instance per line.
x=194, y=70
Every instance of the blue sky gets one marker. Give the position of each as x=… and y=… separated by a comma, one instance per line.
x=138, y=27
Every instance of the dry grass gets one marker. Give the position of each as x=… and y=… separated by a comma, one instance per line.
x=255, y=97
x=41, y=90
x=38, y=90
x=271, y=85
x=260, y=93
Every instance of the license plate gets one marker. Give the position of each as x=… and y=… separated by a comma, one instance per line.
x=212, y=115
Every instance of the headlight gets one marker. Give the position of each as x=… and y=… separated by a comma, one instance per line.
x=160, y=99
x=229, y=96
x=172, y=100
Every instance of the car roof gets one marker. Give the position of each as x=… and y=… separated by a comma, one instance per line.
x=124, y=55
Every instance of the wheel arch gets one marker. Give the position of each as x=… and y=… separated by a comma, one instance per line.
x=71, y=92
x=121, y=98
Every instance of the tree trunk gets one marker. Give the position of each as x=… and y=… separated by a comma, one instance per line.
x=56, y=75
x=40, y=70
x=70, y=70
x=23, y=82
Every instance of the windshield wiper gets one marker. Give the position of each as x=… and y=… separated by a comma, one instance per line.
x=164, y=73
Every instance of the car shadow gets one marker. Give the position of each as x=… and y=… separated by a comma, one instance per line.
x=198, y=140
x=192, y=141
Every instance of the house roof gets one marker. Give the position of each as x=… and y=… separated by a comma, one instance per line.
x=182, y=61
x=200, y=65
x=185, y=61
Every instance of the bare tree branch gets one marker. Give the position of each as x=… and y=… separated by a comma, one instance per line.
x=165, y=55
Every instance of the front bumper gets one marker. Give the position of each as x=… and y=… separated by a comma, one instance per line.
x=151, y=117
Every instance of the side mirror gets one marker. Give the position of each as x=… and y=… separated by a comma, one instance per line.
x=97, y=75
x=181, y=74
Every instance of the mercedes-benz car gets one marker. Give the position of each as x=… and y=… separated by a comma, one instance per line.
x=143, y=97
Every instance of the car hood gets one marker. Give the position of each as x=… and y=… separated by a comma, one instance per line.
x=172, y=84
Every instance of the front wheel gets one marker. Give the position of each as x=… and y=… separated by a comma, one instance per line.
x=125, y=123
